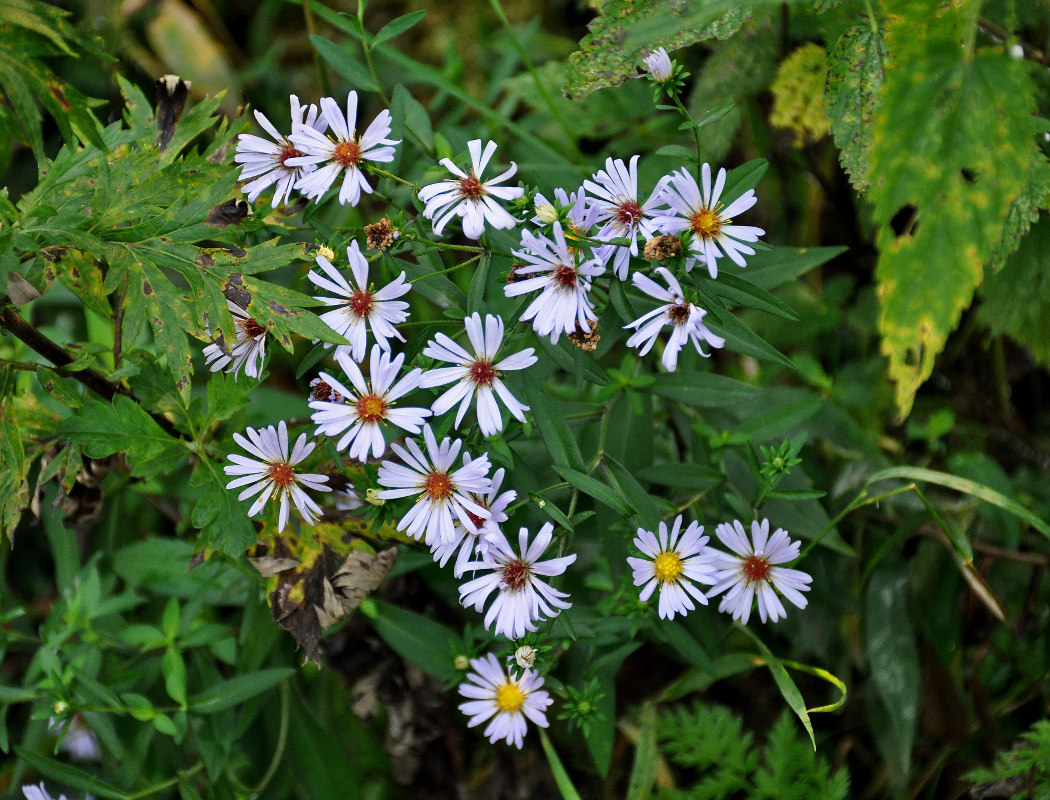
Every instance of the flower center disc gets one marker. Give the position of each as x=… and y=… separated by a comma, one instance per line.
x=371, y=408
x=510, y=698
x=438, y=486
x=250, y=327
x=628, y=212
x=706, y=223
x=471, y=187
x=288, y=151
x=516, y=575
x=667, y=567
x=679, y=313
x=756, y=568
x=348, y=154
x=361, y=303
x=478, y=521
x=565, y=276
x=282, y=473
x=482, y=372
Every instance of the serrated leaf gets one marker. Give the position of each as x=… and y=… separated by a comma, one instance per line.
x=1016, y=301
x=1024, y=212
x=280, y=311
x=221, y=519
x=107, y=428
x=605, y=59
x=14, y=468
x=855, y=69
x=953, y=139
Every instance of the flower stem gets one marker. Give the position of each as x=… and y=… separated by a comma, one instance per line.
x=311, y=28
x=450, y=269
x=385, y=174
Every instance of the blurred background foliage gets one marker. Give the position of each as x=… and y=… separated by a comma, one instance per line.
x=946, y=662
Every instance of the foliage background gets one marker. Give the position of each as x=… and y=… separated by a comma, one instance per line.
x=931, y=606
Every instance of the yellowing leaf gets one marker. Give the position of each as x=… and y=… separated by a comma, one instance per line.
x=951, y=149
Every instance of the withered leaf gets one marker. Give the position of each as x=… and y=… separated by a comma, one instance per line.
x=172, y=92
x=232, y=212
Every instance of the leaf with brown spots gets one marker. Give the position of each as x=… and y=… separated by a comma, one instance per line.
x=319, y=577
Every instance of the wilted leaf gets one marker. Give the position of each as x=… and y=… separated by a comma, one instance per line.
x=953, y=141
x=855, y=68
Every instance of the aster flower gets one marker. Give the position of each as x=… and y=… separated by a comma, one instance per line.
x=477, y=374
x=495, y=695
x=658, y=65
x=32, y=792
x=347, y=499
x=274, y=472
x=467, y=197
x=563, y=302
x=686, y=321
x=615, y=191
x=441, y=491
x=249, y=352
x=713, y=231
x=78, y=739
x=672, y=564
x=266, y=161
x=487, y=530
x=360, y=308
x=752, y=571
x=368, y=404
x=344, y=154
x=522, y=599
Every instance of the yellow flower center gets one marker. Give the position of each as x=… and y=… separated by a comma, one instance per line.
x=706, y=224
x=510, y=698
x=668, y=567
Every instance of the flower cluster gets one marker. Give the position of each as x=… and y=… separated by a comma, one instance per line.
x=374, y=407
x=675, y=563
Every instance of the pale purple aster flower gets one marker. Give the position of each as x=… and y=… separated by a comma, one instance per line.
x=672, y=565
x=467, y=197
x=522, y=599
x=713, y=231
x=267, y=162
x=752, y=571
x=658, y=65
x=563, y=285
x=78, y=739
x=477, y=374
x=488, y=530
x=495, y=695
x=249, y=351
x=361, y=307
x=440, y=490
x=274, y=472
x=346, y=153
x=32, y=792
x=368, y=405
x=686, y=321
x=615, y=191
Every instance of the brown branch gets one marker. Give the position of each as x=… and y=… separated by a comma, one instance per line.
x=57, y=355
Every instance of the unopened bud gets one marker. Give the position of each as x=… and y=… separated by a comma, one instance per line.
x=461, y=662
x=525, y=656
x=658, y=64
x=372, y=497
x=547, y=213
x=324, y=251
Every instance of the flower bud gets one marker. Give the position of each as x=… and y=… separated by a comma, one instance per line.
x=547, y=213
x=525, y=656
x=658, y=64
x=324, y=251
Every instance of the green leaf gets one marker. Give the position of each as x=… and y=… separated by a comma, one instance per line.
x=772, y=268
x=557, y=438
x=397, y=26
x=785, y=683
x=632, y=491
x=703, y=389
x=969, y=487
x=14, y=470
x=596, y=489
x=221, y=518
x=741, y=339
x=348, y=67
x=71, y=776
x=561, y=777
x=235, y=691
x=1024, y=212
x=855, y=67
x=414, y=637
x=683, y=476
x=646, y=757
x=952, y=142
x=742, y=292
x=105, y=428
x=174, y=670
x=894, y=667
x=416, y=118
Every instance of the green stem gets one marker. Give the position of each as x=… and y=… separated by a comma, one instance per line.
x=311, y=28
x=859, y=501
x=374, y=169
x=548, y=98
x=179, y=778
x=696, y=130
x=278, y=751
x=368, y=53
x=450, y=269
